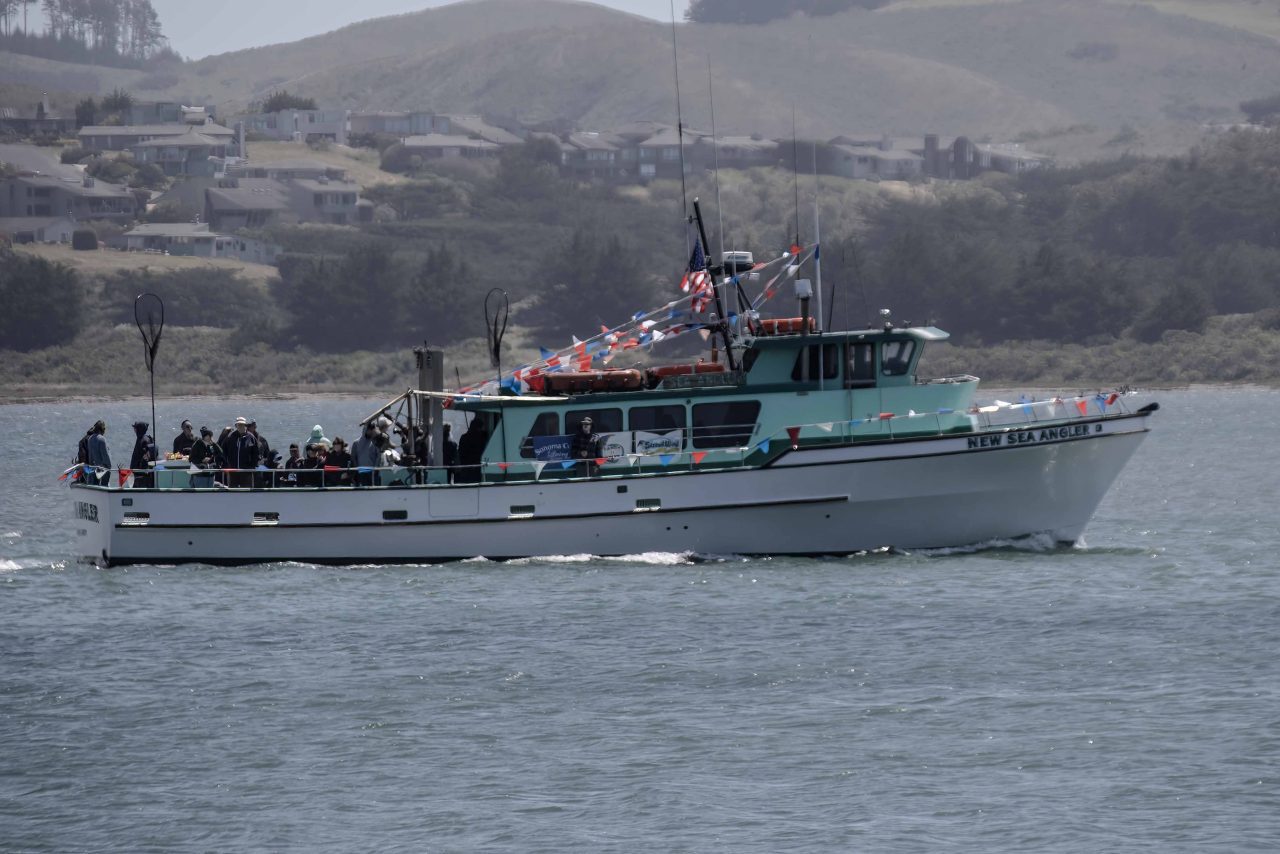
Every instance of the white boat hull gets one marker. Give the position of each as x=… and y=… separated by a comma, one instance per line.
x=922, y=493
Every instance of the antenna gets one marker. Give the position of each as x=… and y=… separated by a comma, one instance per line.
x=715, y=150
x=675, y=56
x=795, y=169
x=148, y=311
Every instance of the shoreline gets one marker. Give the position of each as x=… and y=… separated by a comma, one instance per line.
x=56, y=393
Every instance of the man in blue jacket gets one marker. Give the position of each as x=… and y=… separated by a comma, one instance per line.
x=99, y=456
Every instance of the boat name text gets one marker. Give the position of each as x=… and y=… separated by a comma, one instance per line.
x=87, y=511
x=1033, y=437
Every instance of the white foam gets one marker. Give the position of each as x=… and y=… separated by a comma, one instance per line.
x=656, y=558
x=14, y=534
x=9, y=565
x=1032, y=543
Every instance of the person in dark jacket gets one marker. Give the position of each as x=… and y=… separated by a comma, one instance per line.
x=585, y=448
x=144, y=454
x=206, y=454
x=338, y=464
x=266, y=457
x=183, y=441
x=291, y=467
x=471, y=452
x=82, y=457
x=241, y=452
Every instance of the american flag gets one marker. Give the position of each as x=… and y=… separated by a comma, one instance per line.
x=697, y=281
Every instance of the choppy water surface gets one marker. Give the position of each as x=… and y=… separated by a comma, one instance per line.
x=1121, y=696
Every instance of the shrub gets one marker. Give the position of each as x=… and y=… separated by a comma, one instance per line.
x=84, y=238
x=74, y=154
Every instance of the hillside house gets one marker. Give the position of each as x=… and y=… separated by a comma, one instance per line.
x=38, y=120
x=235, y=203
x=194, y=239
x=299, y=125
x=591, y=156
x=735, y=152
x=287, y=170
x=168, y=112
x=32, y=195
x=28, y=229
x=124, y=137
x=1010, y=157
x=660, y=155
x=438, y=146
x=325, y=200
x=191, y=154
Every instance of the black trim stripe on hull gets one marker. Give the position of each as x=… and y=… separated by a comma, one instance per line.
x=463, y=520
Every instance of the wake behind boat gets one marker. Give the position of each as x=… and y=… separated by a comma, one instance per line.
x=790, y=440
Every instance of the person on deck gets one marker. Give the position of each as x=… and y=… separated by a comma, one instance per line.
x=585, y=447
x=183, y=441
x=365, y=453
x=99, y=457
x=144, y=454
x=471, y=452
x=241, y=452
x=82, y=457
x=317, y=437
x=266, y=457
x=206, y=454
x=338, y=464
x=450, y=460
x=291, y=466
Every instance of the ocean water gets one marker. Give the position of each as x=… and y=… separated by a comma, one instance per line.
x=1120, y=696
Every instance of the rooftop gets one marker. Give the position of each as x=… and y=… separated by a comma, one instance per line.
x=191, y=139
x=440, y=140
x=170, y=229
x=175, y=129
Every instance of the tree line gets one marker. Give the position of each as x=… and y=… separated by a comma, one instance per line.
x=110, y=32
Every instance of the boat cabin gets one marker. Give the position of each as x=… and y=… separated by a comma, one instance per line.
x=782, y=376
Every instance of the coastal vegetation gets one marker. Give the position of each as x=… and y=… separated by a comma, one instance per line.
x=1122, y=271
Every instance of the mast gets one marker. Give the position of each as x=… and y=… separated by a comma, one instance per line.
x=715, y=271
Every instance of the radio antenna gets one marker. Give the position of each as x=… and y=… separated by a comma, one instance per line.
x=715, y=150
x=675, y=56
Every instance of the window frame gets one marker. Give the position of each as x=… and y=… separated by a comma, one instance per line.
x=742, y=430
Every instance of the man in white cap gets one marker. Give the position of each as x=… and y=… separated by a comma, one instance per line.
x=241, y=452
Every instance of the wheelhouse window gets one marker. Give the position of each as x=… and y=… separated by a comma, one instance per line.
x=824, y=360
x=602, y=420
x=546, y=424
x=724, y=425
x=896, y=357
x=658, y=419
x=862, y=366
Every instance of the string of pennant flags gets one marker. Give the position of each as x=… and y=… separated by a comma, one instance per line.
x=646, y=328
x=1083, y=405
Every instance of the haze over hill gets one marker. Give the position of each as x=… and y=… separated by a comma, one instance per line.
x=987, y=69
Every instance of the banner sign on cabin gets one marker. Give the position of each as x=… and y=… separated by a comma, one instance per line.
x=615, y=446
x=659, y=443
x=551, y=449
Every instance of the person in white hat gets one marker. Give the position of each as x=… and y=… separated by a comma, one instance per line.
x=241, y=452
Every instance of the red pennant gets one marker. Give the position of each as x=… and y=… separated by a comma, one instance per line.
x=1083, y=406
x=699, y=456
x=601, y=460
x=504, y=466
x=796, y=248
x=794, y=433
x=124, y=475
x=885, y=416
x=1112, y=398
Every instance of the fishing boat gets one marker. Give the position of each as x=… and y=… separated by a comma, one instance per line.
x=789, y=440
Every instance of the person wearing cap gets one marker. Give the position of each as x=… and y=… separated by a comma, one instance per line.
x=144, y=455
x=183, y=441
x=99, y=458
x=338, y=464
x=585, y=445
x=291, y=466
x=241, y=452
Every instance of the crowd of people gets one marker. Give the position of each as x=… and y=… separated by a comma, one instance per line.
x=241, y=457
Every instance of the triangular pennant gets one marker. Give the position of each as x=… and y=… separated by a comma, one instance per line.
x=666, y=459
x=794, y=433
x=601, y=460
x=885, y=416
x=566, y=464
x=1083, y=406
x=1112, y=398
x=825, y=427
x=504, y=466
x=764, y=446
x=698, y=456
x=537, y=469
x=633, y=458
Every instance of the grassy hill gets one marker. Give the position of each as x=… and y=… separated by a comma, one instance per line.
x=1140, y=76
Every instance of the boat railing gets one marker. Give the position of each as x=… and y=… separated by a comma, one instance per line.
x=729, y=446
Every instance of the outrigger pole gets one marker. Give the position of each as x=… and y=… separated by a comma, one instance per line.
x=715, y=271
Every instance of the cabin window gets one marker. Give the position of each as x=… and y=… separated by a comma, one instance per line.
x=896, y=357
x=546, y=424
x=724, y=425
x=862, y=366
x=657, y=419
x=602, y=420
x=825, y=360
